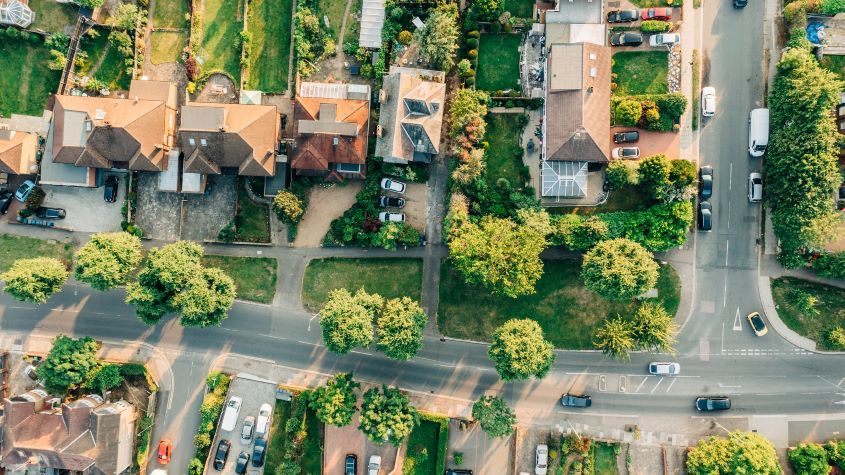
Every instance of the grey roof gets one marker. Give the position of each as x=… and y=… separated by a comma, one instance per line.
x=575, y=11
x=372, y=21
x=203, y=118
x=564, y=179
x=417, y=107
x=420, y=140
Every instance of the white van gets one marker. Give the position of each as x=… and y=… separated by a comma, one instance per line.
x=758, y=132
x=230, y=415
x=262, y=424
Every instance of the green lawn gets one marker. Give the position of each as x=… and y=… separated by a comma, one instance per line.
x=13, y=248
x=255, y=277
x=104, y=62
x=269, y=24
x=520, y=8
x=252, y=220
x=424, y=439
x=501, y=159
x=353, y=26
x=641, y=72
x=222, y=23
x=835, y=63
x=312, y=446
x=334, y=10
x=170, y=14
x=830, y=306
x=498, y=62
x=25, y=80
x=52, y=16
x=387, y=277
x=167, y=46
x=605, y=459
x=275, y=446
x=628, y=198
x=567, y=311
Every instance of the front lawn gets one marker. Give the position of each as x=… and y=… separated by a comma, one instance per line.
x=170, y=14
x=25, y=80
x=255, y=277
x=503, y=158
x=605, y=459
x=276, y=444
x=312, y=446
x=788, y=292
x=252, y=220
x=387, y=277
x=52, y=16
x=567, y=311
x=105, y=62
x=307, y=452
x=520, y=8
x=425, y=445
x=627, y=198
x=222, y=23
x=269, y=25
x=13, y=248
x=498, y=62
x=167, y=46
x=641, y=72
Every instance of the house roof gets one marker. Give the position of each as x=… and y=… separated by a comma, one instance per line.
x=564, y=179
x=15, y=148
x=329, y=131
x=578, y=103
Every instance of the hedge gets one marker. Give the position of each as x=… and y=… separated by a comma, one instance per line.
x=670, y=106
x=655, y=26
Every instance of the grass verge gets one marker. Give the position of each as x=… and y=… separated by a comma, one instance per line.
x=627, y=198
x=696, y=85
x=387, y=277
x=308, y=452
x=25, y=79
x=498, y=62
x=789, y=295
x=220, y=45
x=13, y=248
x=503, y=158
x=427, y=446
x=255, y=277
x=641, y=72
x=269, y=25
x=167, y=46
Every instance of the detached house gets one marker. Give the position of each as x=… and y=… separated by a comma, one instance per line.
x=411, y=115
x=17, y=152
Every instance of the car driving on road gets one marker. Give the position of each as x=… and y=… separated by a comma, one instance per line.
x=623, y=16
x=713, y=403
x=575, y=400
x=664, y=369
x=626, y=39
x=757, y=323
x=165, y=448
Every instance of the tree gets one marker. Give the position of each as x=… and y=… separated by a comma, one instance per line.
x=68, y=364
x=619, y=174
x=35, y=280
x=494, y=416
x=466, y=106
x=288, y=206
x=485, y=10
x=106, y=260
x=129, y=17
x=438, y=38
x=627, y=112
x=207, y=299
x=587, y=234
x=400, y=328
x=654, y=176
x=836, y=453
x=619, y=269
x=387, y=416
x=809, y=459
x=58, y=62
x=334, y=403
x=464, y=67
x=520, y=351
x=615, y=338
x=740, y=452
x=347, y=320
x=405, y=37
x=92, y=4
x=682, y=174
x=105, y=378
x=653, y=329
x=830, y=265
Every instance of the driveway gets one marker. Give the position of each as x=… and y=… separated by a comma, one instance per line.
x=653, y=143
x=340, y=441
x=483, y=455
x=416, y=205
x=85, y=207
x=324, y=205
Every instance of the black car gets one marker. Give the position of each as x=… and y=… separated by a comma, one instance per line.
x=241, y=463
x=391, y=202
x=740, y=3
x=110, y=194
x=6, y=201
x=705, y=216
x=573, y=400
x=258, y=452
x=713, y=403
x=222, y=454
x=350, y=466
x=629, y=136
x=626, y=39
x=705, y=178
x=458, y=471
x=623, y=16
x=840, y=199
x=50, y=213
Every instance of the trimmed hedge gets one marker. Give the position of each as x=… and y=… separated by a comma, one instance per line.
x=442, y=437
x=670, y=107
x=655, y=26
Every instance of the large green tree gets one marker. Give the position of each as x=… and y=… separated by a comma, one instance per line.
x=615, y=338
x=69, y=364
x=438, y=38
x=400, y=328
x=105, y=378
x=494, y=415
x=467, y=106
x=653, y=175
x=334, y=403
x=106, y=260
x=619, y=269
x=35, y=280
x=387, y=415
x=347, y=320
x=809, y=459
x=520, y=351
x=653, y=328
x=740, y=452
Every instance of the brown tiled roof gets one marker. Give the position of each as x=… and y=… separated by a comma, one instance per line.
x=578, y=111
x=315, y=150
x=11, y=149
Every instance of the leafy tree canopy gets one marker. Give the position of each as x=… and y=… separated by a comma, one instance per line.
x=619, y=269
x=520, y=351
x=347, y=320
x=35, y=280
x=334, y=403
x=494, y=416
x=400, y=328
x=69, y=364
x=387, y=416
x=740, y=452
x=809, y=459
x=438, y=38
x=106, y=260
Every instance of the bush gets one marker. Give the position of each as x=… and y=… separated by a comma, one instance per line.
x=619, y=174
x=832, y=7
x=835, y=337
x=830, y=265
x=35, y=198
x=472, y=53
x=288, y=206
x=472, y=43
x=458, y=457
x=627, y=113
x=404, y=37
x=473, y=34
x=655, y=26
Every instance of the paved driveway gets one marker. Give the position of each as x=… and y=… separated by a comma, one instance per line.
x=85, y=207
x=340, y=441
x=483, y=455
x=653, y=143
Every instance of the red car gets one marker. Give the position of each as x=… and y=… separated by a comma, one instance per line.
x=165, y=447
x=656, y=14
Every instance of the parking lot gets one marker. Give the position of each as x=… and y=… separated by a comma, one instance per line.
x=254, y=392
x=86, y=209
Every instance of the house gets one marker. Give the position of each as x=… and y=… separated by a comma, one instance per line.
x=411, y=115
x=331, y=124
x=15, y=13
x=91, y=134
x=86, y=436
x=17, y=152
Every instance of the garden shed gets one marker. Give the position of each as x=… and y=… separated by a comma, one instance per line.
x=372, y=20
x=15, y=13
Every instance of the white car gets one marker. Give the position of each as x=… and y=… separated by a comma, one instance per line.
x=664, y=369
x=708, y=101
x=230, y=414
x=755, y=187
x=542, y=460
x=262, y=424
x=387, y=216
x=374, y=465
x=664, y=39
x=390, y=184
x=625, y=152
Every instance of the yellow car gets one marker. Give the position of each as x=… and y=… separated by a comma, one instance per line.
x=757, y=323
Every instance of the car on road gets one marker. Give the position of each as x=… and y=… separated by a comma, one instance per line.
x=165, y=449
x=628, y=136
x=705, y=216
x=541, y=459
x=350, y=465
x=626, y=39
x=110, y=191
x=575, y=400
x=259, y=450
x=6, y=201
x=662, y=13
x=386, y=217
x=247, y=429
x=708, y=101
x=623, y=16
x=222, y=454
x=262, y=424
x=395, y=186
x=50, y=213
x=24, y=190
x=391, y=202
x=230, y=415
x=713, y=403
x=374, y=465
x=664, y=39
x=664, y=369
x=625, y=152
x=705, y=180
x=755, y=187
x=740, y=3
x=757, y=323
x=242, y=462
x=457, y=471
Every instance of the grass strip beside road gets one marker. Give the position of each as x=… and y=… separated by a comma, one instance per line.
x=830, y=308
x=13, y=248
x=255, y=277
x=696, y=86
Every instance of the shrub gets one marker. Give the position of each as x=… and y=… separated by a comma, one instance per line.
x=288, y=206
x=655, y=26
x=404, y=37
x=652, y=116
x=473, y=34
x=472, y=43
x=831, y=265
x=458, y=458
x=627, y=113
x=619, y=174
x=832, y=7
x=835, y=337
x=192, y=69
x=472, y=53
x=35, y=198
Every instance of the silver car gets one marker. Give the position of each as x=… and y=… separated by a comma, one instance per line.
x=247, y=429
x=664, y=369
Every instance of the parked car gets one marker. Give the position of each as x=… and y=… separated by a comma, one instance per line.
x=626, y=39
x=740, y=3
x=457, y=471
x=755, y=187
x=541, y=458
x=664, y=39
x=623, y=16
x=24, y=190
x=230, y=415
x=222, y=454
x=350, y=465
x=110, y=192
x=165, y=449
x=664, y=369
x=242, y=462
x=386, y=217
x=390, y=184
x=247, y=429
x=758, y=132
x=708, y=101
x=6, y=201
x=705, y=216
x=374, y=465
x=574, y=400
x=757, y=323
x=626, y=152
x=50, y=213
x=629, y=136
x=840, y=199
x=258, y=452
x=705, y=180
x=713, y=403
x=391, y=202
x=262, y=424
x=661, y=13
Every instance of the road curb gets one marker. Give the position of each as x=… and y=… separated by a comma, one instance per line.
x=765, y=289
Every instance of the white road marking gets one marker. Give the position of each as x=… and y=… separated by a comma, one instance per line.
x=671, y=384
x=724, y=386
x=837, y=386
x=727, y=249
x=623, y=383
x=311, y=320
x=730, y=178
x=723, y=337
x=657, y=385
x=704, y=349
x=641, y=384
x=737, y=322
x=729, y=215
x=725, y=292
x=602, y=383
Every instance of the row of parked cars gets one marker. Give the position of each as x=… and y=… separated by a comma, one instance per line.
x=350, y=465
x=252, y=428
x=392, y=185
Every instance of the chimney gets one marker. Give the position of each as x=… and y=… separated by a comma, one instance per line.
x=335, y=142
x=590, y=89
x=379, y=131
